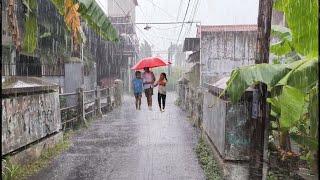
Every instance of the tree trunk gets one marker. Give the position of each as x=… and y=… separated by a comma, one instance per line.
x=285, y=143
x=13, y=24
x=260, y=132
x=75, y=48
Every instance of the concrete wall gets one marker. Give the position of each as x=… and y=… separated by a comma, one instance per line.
x=190, y=99
x=73, y=79
x=228, y=126
x=90, y=81
x=26, y=119
x=221, y=52
x=55, y=79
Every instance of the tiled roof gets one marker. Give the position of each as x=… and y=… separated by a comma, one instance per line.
x=222, y=28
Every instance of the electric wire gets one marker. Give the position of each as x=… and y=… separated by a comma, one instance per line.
x=183, y=21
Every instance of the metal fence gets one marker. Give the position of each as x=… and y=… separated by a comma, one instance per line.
x=77, y=107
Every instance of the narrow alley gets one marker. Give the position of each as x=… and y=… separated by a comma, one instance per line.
x=130, y=144
x=239, y=80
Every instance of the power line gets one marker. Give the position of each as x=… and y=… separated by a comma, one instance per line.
x=160, y=8
x=183, y=21
x=194, y=13
x=145, y=36
x=144, y=15
x=179, y=10
x=124, y=13
x=166, y=28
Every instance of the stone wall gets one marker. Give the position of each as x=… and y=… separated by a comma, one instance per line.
x=26, y=119
x=221, y=52
x=190, y=99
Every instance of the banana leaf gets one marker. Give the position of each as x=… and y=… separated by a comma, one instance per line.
x=97, y=20
x=303, y=76
x=280, y=48
x=281, y=32
x=302, y=18
x=30, y=40
x=242, y=78
x=59, y=4
x=292, y=103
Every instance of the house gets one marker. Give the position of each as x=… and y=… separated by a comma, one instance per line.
x=224, y=48
x=122, y=15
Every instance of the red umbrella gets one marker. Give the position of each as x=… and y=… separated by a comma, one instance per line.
x=150, y=62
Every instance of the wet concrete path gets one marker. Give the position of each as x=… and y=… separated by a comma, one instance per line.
x=130, y=144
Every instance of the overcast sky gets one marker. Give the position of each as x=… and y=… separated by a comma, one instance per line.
x=209, y=12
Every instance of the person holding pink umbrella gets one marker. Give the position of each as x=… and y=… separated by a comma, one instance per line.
x=148, y=79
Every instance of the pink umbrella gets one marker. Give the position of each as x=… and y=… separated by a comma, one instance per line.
x=150, y=62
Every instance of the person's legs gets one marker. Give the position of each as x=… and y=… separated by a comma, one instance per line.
x=149, y=99
x=163, y=101
x=147, y=96
x=139, y=102
x=137, y=99
x=159, y=100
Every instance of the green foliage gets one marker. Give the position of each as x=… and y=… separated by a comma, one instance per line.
x=9, y=170
x=291, y=104
x=13, y=171
x=284, y=45
x=209, y=165
x=31, y=27
x=59, y=4
x=244, y=77
x=302, y=18
x=303, y=76
x=97, y=20
x=293, y=85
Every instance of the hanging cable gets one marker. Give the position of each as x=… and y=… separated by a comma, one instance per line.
x=194, y=13
x=155, y=5
x=183, y=21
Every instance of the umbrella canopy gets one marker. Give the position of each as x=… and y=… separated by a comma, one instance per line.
x=150, y=62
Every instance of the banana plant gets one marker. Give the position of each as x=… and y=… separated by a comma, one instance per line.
x=72, y=11
x=293, y=84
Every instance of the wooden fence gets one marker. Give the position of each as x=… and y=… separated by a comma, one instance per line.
x=88, y=104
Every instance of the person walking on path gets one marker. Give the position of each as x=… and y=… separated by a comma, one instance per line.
x=148, y=80
x=162, y=90
x=137, y=89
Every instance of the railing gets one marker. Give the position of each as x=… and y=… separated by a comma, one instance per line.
x=78, y=106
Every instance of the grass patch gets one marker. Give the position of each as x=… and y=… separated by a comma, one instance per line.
x=208, y=164
x=12, y=171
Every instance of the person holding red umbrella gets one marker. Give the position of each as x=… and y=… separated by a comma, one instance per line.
x=148, y=76
x=148, y=79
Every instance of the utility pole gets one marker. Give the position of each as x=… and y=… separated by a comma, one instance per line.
x=261, y=123
x=170, y=59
